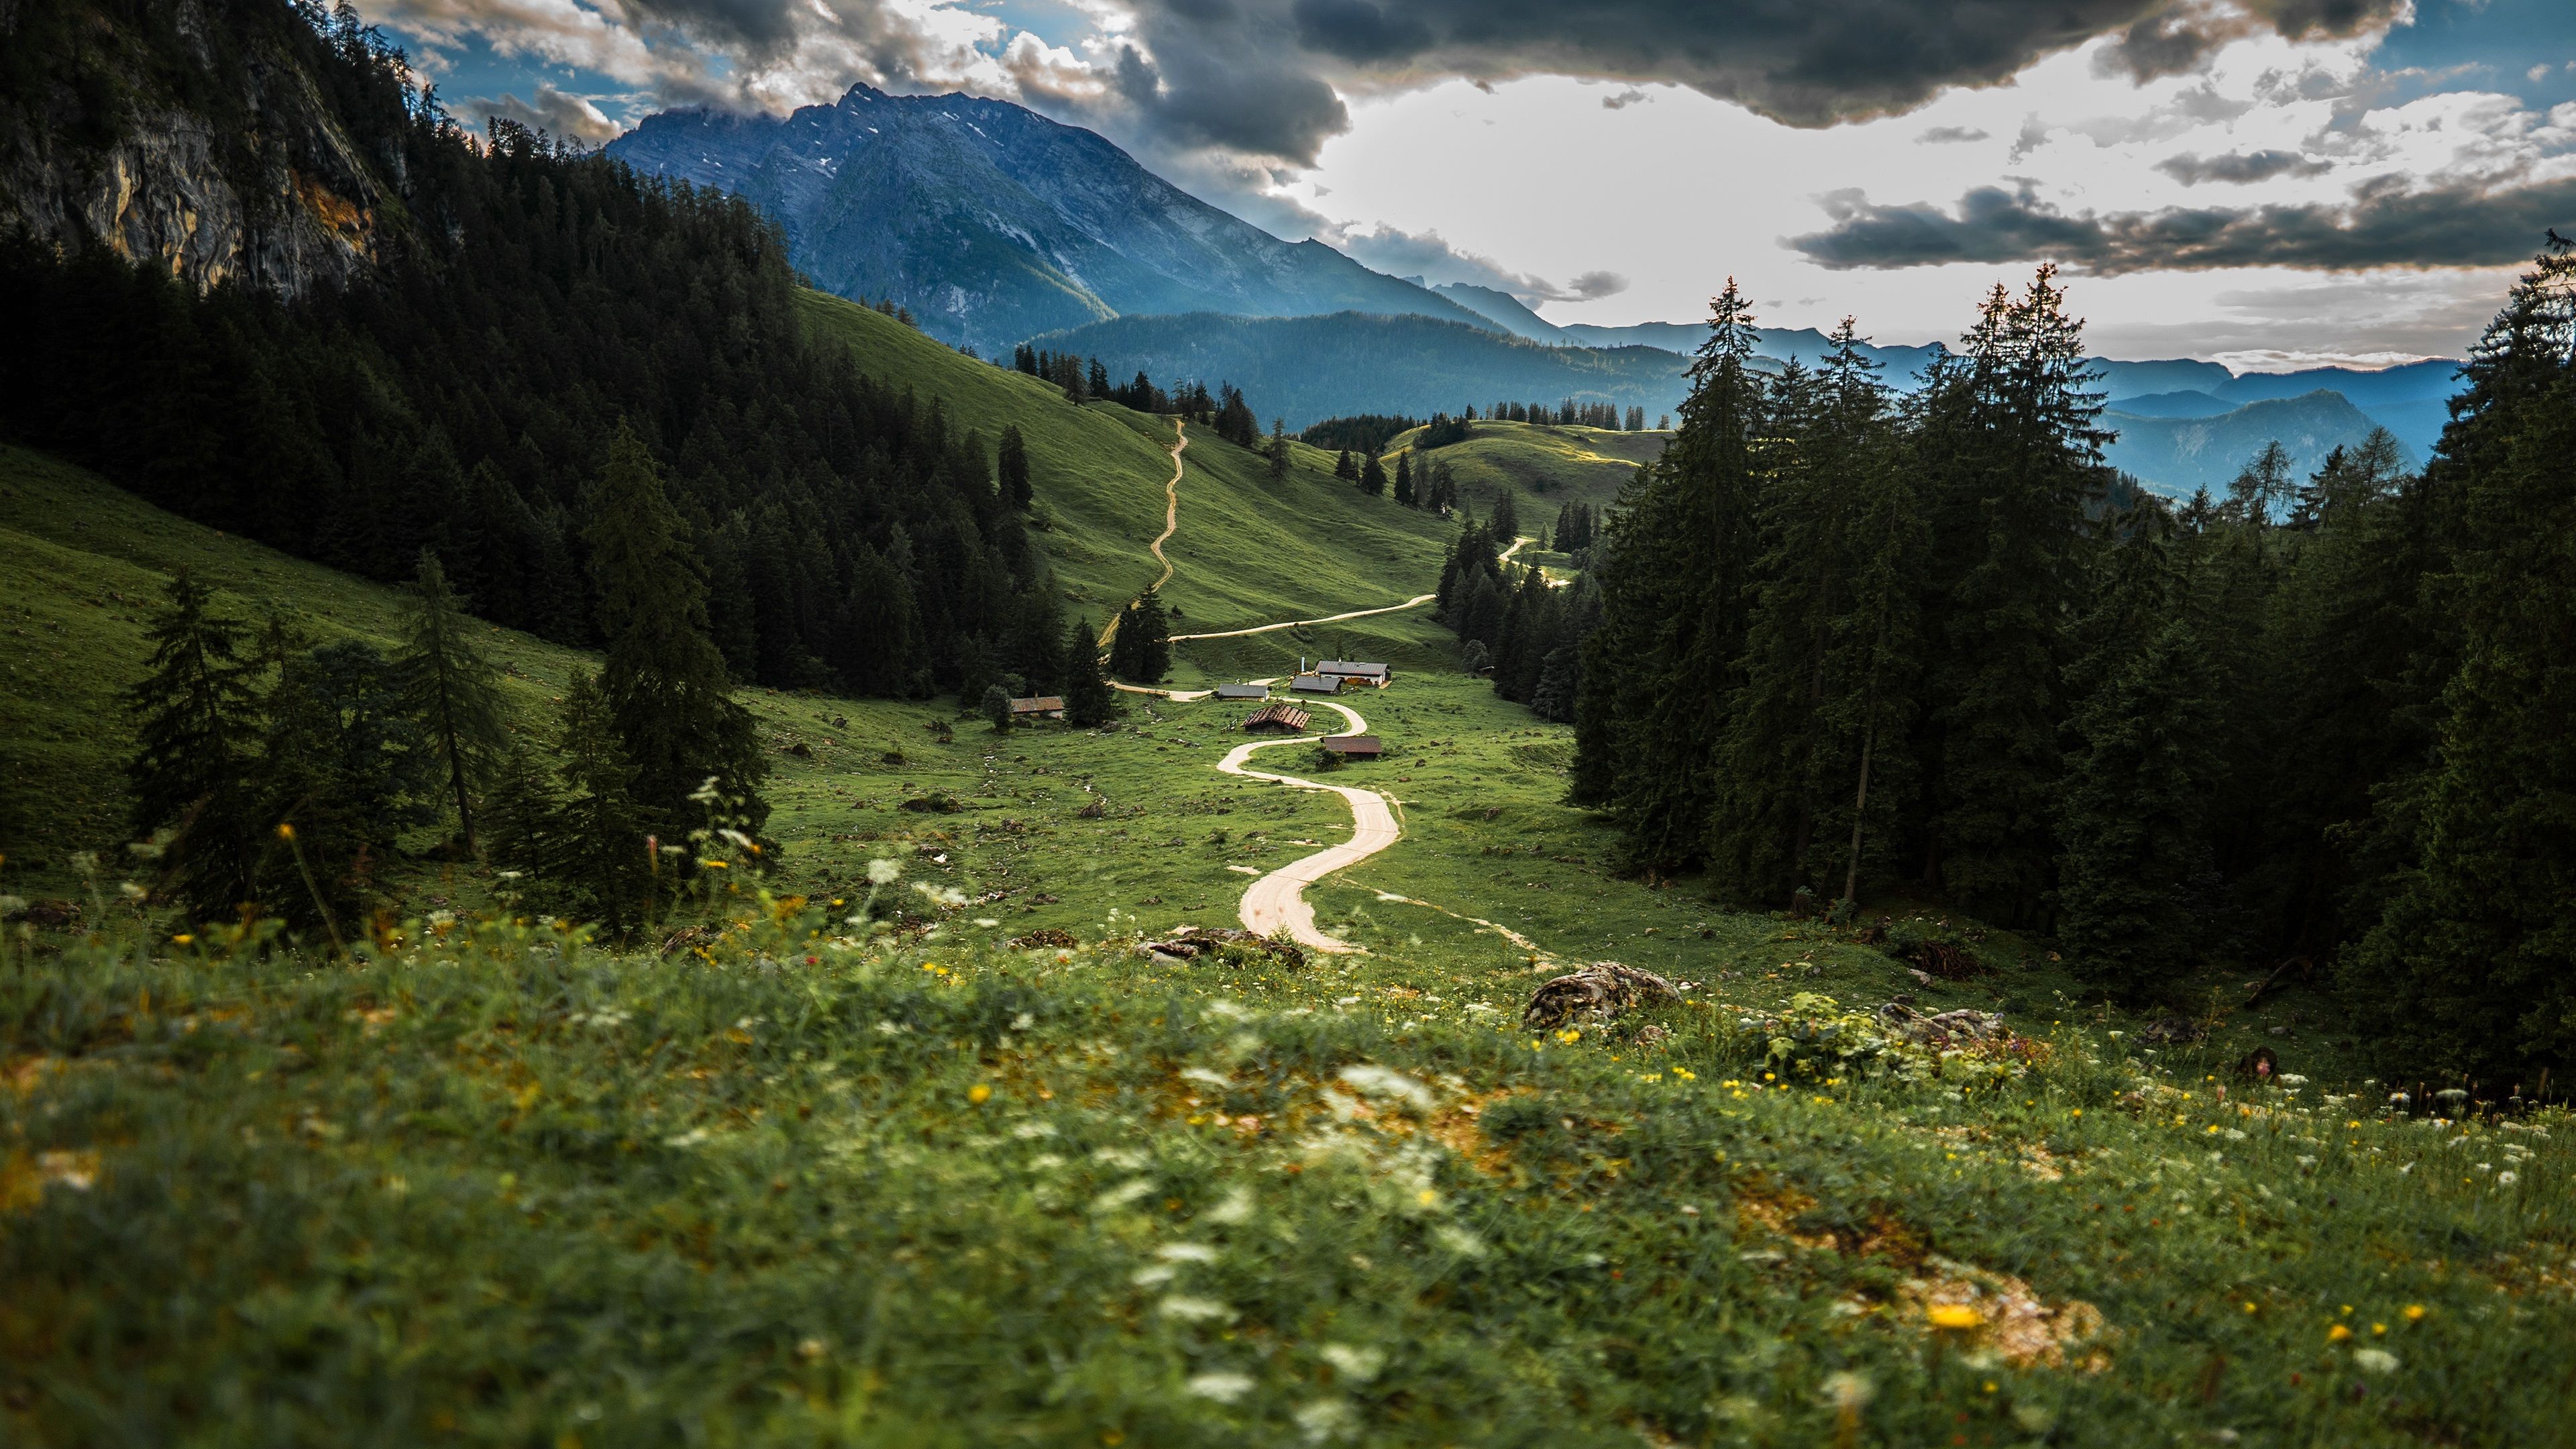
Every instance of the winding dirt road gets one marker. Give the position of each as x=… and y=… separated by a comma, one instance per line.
x=1279, y=898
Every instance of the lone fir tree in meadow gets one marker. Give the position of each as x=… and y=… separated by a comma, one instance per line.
x=1373, y=477
x=197, y=726
x=1404, y=477
x=665, y=684
x=1141, y=651
x=1278, y=452
x=450, y=688
x=1088, y=700
x=596, y=834
x=1344, y=468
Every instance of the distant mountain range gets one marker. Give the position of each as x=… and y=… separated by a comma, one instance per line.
x=2176, y=453
x=996, y=226
x=1306, y=369
x=993, y=223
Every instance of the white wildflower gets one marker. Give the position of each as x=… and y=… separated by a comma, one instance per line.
x=1031, y=1131
x=1225, y=1388
x=1458, y=1240
x=2508, y=1178
x=1185, y=1309
x=1352, y=1362
x=1123, y=1194
x=1234, y=1207
x=1153, y=1277
x=1202, y=1074
x=1327, y=1419
x=1377, y=1081
x=2374, y=1360
x=690, y=1138
x=1186, y=1253
x=884, y=872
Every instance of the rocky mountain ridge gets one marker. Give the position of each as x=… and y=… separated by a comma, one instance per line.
x=197, y=143
x=994, y=224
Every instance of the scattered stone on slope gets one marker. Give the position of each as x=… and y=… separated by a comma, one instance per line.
x=1600, y=991
x=1222, y=944
x=1945, y=1029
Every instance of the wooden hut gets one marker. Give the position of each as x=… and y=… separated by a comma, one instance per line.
x=1354, y=672
x=1243, y=691
x=1316, y=684
x=1044, y=706
x=1355, y=747
x=1277, y=717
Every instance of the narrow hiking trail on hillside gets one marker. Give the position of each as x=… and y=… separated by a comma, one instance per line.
x=1171, y=524
x=1279, y=898
x=1416, y=602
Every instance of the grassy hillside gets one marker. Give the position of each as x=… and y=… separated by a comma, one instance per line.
x=81, y=568
x=926, y=1187
x=1543, y=465
x=1250, y=549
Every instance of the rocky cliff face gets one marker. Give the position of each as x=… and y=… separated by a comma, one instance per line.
x=100, y=144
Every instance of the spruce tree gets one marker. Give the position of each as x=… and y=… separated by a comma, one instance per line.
x=347, y=765
x=1142, y=650
x=1667, y=655
x=996, y=707
x=197, y=722
x=599, y=861
x=450, y=688
x=1088, y=700
x=2130, y=811
x=2474, y=960
x=520, y=815
x=1278, y=447
x=668, y=697
x=1013, y=466
x=1373, y=477
x=1404, y=477
x=2006, y=439
x=1344, y=468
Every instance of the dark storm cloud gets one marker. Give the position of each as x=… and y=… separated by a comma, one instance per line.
x=2452, y=226
x=2239, y=168
x=1356, y=30
x=1805, y=62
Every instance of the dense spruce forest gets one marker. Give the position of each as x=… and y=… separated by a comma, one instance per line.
x=1851, y=643
x=526, y=303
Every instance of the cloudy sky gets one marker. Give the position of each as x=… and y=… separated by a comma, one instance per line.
x=2271, y=183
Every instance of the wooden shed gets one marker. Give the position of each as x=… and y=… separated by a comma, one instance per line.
x=1356, y=672
x=1277, y=717
x=1316, y=684
x=1044, y=706
x=1243, y=691
x=1355, y=747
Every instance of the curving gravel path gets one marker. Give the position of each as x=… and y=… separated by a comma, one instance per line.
x=1279, y=898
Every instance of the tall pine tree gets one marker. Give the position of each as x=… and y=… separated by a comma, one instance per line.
x=675, y=717
x=197, y=724
x=450, y=688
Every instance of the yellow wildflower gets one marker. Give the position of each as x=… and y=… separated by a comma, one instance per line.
x=979, y=1094
x=2338, y=1334
x=1954, y=1316
x=2414, y=1312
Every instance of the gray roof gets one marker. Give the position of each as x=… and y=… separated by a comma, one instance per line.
x=1350, y=666
x=1354, y=744
x=1243, y=691
x=1316, y=684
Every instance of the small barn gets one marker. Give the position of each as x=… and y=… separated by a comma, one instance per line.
x=1353, y=671
x=1355, y=747
x=1316, y=684
x=1243, y=691
x=1044, y=706
x=1277, y=717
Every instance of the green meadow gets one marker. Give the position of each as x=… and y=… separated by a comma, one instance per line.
x=1543, y=466
x=907, y=1142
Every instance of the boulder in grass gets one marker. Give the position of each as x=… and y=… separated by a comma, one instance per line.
x=1049, y=938
x=1943, y=1030
x=1599, y=991
x=2174, y=1030
x=1223, y=945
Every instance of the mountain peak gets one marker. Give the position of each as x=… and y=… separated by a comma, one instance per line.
x=994, y=224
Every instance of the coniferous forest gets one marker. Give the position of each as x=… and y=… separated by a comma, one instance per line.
x=1852, y=642
x=528, y=301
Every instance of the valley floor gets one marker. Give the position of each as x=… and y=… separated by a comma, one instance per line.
x=996, y=1176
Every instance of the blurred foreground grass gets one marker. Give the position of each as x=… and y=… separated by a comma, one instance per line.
x=489, y=1184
